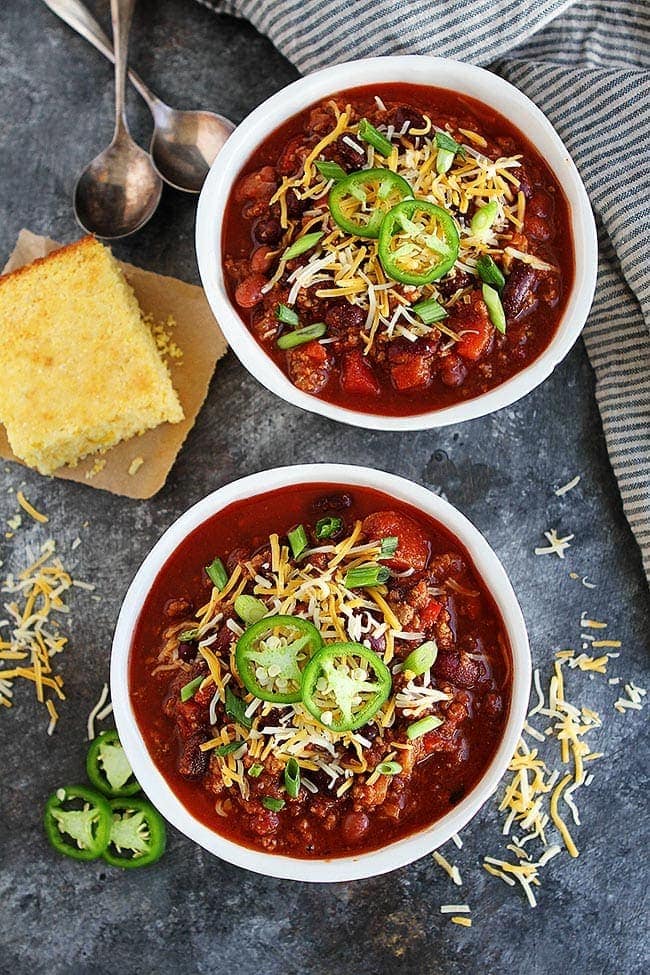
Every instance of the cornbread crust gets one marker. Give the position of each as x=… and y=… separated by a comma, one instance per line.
x=79, y=369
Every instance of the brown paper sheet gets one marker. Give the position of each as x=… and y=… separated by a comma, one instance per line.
x=198, y=336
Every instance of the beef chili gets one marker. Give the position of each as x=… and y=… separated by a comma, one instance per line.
x=398, y=249
x=319, y=670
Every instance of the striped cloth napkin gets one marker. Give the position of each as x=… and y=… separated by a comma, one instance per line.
x=587, y=65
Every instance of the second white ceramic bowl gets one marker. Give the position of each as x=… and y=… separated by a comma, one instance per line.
x=418, y=70
x=396, y=854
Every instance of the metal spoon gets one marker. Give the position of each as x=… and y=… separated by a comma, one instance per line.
x=120, y=189
x=184, y=144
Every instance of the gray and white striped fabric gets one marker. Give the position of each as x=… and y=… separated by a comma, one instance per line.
x=587, y=65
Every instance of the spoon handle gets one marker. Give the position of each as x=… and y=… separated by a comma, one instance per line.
x=77, y=16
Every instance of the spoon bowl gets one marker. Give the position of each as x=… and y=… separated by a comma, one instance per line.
x=185, y=144
x=118, y=192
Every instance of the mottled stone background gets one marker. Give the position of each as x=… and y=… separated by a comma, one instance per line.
x=193, y=913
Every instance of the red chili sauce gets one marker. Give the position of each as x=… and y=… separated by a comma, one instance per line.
x=442, y=598
x=388, y=361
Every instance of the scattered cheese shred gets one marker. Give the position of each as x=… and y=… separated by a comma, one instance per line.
x=568, y=486
x=30, y=509
x=557, y=546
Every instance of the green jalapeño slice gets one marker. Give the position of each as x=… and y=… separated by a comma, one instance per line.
x=418, y=242
x=344, y=685
x=272, y=654
x=359, y=202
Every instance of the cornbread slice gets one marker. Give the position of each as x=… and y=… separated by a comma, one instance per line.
x=79, y=369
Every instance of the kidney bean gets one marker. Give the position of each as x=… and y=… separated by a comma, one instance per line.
x=406, y=113
x=354, y=827
x=295, y=207
x=538, y=228
x=333, y=502
x=540, y=205
x=341, y=316
x=458, y=669
x=262, y=259
x=249, y=292
x=260, y=185
x=268, y=230
x=519, y=291
x=453, y=371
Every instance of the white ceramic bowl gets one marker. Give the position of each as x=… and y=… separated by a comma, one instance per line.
x=364, y=864
x=444, y=73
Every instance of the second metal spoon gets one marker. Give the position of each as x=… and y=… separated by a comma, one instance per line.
x=184, y=144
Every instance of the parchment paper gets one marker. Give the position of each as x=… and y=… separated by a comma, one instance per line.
x=196, y=333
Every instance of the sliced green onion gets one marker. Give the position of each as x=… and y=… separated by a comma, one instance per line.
x=298, y=540
x=366, y=575
x=421, y=659
x=484, y=218
x=189, y=690
x=286, y=315
x=445, y=141
x=422, y=727
x=250, y=609
x=389, y=768
x=236, y=709
x=326, y=527
x=368, y=133
x=292, y=778
x=489, y=272
x=495, y=308
x=389, y=545
x=429, y=311
x=330, y=170
x=232, y=746
x=188, y=635
x=444, y=161
x=255, y=770
x=302, y=335
x=275, y=805
x=217, y=574
x=301, y=245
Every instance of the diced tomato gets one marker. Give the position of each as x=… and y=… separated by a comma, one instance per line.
x=430, y=613
x=413, y=373
x=413, y=548
x=472, y=317
x=357, y=375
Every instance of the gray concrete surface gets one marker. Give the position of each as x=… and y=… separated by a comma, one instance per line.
x=193, y=913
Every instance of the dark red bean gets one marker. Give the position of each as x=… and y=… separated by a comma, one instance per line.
x=407, y=114
x=249, y=292
x=341, y=316
x=458, y=669
x=519, y=291
x=453, y=371
x=268, y=230
x=295, y=207
x=333, y=502
x=538, y=228
x=354, y=827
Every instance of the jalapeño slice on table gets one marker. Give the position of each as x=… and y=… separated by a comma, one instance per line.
x=108, y=767
x=359, y=202
x=344, y=685
x=77, y=822
x=272, y=654
x=418, y=242
x=137, y=834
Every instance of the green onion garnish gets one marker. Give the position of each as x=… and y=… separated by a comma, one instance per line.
x=275, y=805
x=429, y=311
x=217, y=573
x=422, y=727
x=445, y=141
x=484, y=218
x=236, y=709
x=292, y=778
x=255, y=770
x=389, y=545
x=326, y=527
x=389, y=768
x=330, y=170
x=421, y=659
x=249, y=609
x=489, y=272
x=368, y=133
x=366, y=575
x=232, y=746
x=447, y=149
x=188, y=635
x=297, y=540
x=286, y=315
x=301, y=245
x=189, y=690
x=302, y=335
x=495, y=308
x=444, y=161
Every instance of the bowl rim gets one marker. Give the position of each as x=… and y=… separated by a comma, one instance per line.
x=417, y=69
x=400, y=852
